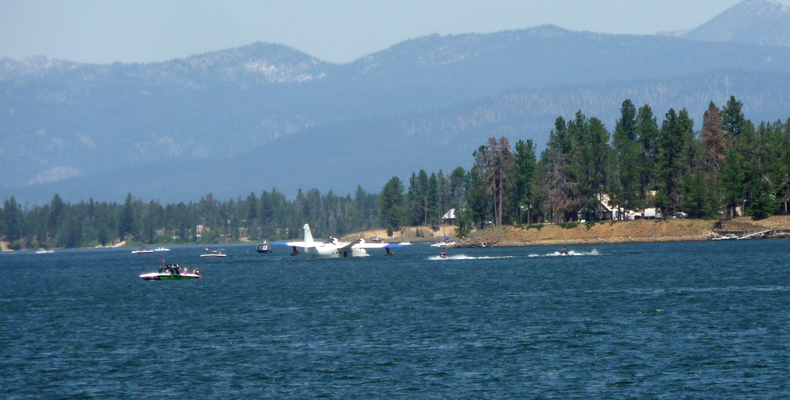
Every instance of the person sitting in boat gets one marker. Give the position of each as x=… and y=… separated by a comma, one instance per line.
x=443, y=254
x=564, y=252
x=196, y=272
x=186, y=271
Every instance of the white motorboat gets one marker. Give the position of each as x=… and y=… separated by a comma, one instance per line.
x=169, y=272
x=160, y=248
x=214, y=253
x=142, y=250
x=729, y=236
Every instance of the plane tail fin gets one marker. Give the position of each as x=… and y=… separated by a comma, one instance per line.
x=308, y=237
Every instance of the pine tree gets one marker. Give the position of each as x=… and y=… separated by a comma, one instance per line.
x=626, y=152
x=732, y=117
x=588, y=161
x=391, y=203
x=70, y=234
x=477, y=197
x=732, y=180
x=444, y=194
x=714, y=141
x=554, y=185
x=56, y=213
x=432, y=199
x=670, y=160
x=459, y=186
x=497, y=171
x=715, y=147
x=126, y=219
x=647, y=158
x=523, y=187
x=12, y=220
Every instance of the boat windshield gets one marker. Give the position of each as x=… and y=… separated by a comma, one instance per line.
x=171, y=268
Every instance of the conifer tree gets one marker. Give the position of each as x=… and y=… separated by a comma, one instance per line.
x=12, y=220
x=732, y=117
x=523, y=187
x=432, y=199
x=391, y=203
x=126, y=219
x=647, y=158
x=459, y=186
x=497, y=171
x=477, y=197
x=626, y=152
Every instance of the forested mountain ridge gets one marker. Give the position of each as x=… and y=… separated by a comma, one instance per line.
x=258, y=62
x=62, y=120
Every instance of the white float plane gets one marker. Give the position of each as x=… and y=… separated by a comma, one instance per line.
x=334, y=249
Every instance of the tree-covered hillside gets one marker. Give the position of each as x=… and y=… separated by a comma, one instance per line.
x=648, y=159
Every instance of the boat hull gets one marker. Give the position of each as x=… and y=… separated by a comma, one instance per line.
x=167, y=277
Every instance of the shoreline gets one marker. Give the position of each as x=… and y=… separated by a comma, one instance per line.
x=601, y=232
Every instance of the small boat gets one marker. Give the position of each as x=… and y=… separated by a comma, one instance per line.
x=264, y=248
x=44, y=251
x=564, y=252
x=214, y=253
x=169, y=272
x=729, y=236
x=142, y=250
x=443, y=254
x=160, y=248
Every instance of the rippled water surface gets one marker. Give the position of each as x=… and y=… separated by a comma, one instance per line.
x=683, y=320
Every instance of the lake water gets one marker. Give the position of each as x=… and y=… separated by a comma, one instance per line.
x=705, y=320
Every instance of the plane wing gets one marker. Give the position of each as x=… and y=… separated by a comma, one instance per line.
x=292, y=244
x=358, y=244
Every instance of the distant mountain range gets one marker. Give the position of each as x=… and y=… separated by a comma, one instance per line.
x=264, y=115
x=761, y=22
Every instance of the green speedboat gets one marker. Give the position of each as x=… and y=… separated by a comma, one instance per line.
x=169, y=272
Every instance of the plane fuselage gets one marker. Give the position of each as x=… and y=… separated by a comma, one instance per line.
x=332, y=251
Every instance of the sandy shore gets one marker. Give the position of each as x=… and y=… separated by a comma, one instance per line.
x=641, y=231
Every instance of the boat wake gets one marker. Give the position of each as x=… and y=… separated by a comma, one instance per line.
x=465, y=257
x=570, y=253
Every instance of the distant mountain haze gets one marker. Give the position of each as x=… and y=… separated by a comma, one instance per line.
x=266, y=115
x=761, y=22
x=342, y=155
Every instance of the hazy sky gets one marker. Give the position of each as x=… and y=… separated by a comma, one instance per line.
x=104, y=31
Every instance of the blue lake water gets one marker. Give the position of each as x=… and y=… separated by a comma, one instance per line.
x=705, y=320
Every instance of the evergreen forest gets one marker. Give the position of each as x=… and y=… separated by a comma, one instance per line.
x=729, y=167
